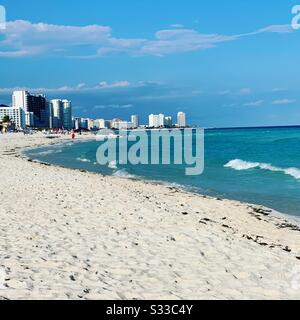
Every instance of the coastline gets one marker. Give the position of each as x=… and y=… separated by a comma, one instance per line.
x=189, y=189
x=156, y=241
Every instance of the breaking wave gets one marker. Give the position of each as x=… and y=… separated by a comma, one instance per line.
x=123, y=174
x=83, y=160
x=239, y=165
x=113, y=164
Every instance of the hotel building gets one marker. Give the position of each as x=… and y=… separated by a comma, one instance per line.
x=121, y=125
x=135, y=121
x=181, y=120
x=56, y=114
x=61, y=114
x=16, y=115
x=102, y=124
x=37, y=104
x=67, y=111
x=91, y=124
x=156, y=120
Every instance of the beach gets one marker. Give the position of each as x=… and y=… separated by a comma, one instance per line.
x=69, y=234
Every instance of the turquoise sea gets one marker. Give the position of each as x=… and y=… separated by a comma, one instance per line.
x=257, y=165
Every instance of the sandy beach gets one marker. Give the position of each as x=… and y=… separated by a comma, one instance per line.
x=67, y=234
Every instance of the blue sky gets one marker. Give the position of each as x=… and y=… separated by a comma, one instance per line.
x=226, y=63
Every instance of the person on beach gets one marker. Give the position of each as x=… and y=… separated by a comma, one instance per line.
x=73, y=136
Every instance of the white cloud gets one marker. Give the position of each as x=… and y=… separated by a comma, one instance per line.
x=182, y=40
x=283, y=101
x=23, y=39
x=254, y=103
x=286, y=28
x=82, y=87
x=118, y=84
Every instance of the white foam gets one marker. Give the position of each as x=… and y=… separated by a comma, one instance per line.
x=123, y=174
x=113, y=164
x=83, y=160
x=294, y=172
x=46, y=152
x=238, y=164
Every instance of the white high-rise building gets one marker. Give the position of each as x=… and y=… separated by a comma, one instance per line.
x=77, y=123
x=91, y=124
x=156, y=120
x=153, y=120
x=101, y=124
x=135, y=121
x=181, y=120
x=57, y=113
x=115, y=123
x=161, y=118
x=16, y=115
x=121, y=125
x=61, y=114
x=97, y=123
x=20, y=99
x=37, y=104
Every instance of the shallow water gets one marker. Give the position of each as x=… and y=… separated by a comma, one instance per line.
x=259, y=165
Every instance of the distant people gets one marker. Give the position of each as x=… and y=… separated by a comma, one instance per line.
x=73, y=136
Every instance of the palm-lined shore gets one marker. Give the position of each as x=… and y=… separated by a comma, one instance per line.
x=67, y=234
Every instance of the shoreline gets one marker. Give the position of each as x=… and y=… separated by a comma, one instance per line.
x=176, y=245
x=86, y=138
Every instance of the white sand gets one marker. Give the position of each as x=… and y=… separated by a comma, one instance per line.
x=66, y=234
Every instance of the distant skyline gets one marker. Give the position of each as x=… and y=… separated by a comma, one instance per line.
x=225, y=63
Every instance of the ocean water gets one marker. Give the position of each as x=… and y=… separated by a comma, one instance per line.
x=256, y=165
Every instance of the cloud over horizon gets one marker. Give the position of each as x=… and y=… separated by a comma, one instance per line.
x=82, y=87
